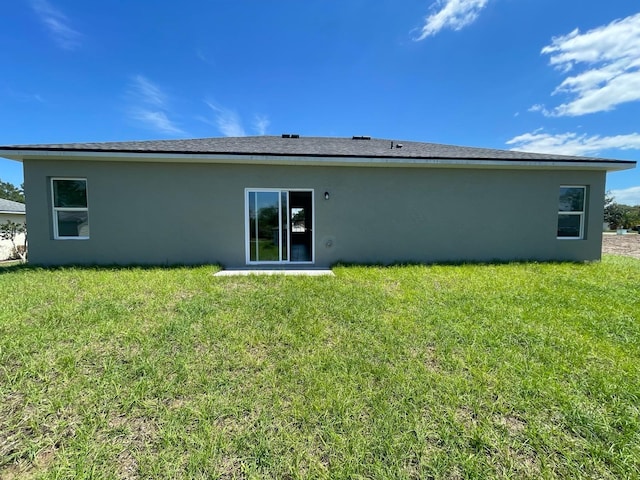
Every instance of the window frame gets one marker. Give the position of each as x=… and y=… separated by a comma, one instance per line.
x=55, y=210
x=581, y=214
x=247, y=192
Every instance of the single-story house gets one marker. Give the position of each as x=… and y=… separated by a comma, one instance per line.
x=14, y=212
x=307, y=202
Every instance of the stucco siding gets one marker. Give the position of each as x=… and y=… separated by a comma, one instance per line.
x=162, y=213
x=14, y=217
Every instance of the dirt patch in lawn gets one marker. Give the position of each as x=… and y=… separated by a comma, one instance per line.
x=628, y=244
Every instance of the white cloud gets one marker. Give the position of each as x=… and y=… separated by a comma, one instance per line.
x=627, y=196
x=609, y=59
x=150, y=106
x=58, y=24
x=261, y=124
x=540, y=108
x=156, y=120
x=24, y=96
x=453, y=14
x=227, y=121
x=573, y=143
x=203, y=57
x=148, y=92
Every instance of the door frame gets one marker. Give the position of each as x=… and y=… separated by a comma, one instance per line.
x=247, y=235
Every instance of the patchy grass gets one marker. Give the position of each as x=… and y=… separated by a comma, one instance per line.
x=9, y=263
x=475, y=371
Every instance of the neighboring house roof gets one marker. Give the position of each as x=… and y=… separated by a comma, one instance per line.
x=9, y=206
x=326, y=151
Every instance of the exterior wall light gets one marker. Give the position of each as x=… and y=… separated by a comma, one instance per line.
x=326, y=195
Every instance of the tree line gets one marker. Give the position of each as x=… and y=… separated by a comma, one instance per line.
x=8, y=191
x=619, y=215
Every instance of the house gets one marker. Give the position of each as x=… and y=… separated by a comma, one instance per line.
x=14, y=212
x=307, y=201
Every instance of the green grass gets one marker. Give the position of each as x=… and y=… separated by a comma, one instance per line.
x=9, y=263
x=474, y=371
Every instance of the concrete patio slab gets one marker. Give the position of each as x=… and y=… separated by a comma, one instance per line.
x=309, y=273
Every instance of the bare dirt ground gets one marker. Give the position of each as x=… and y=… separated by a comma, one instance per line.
x=628, y=244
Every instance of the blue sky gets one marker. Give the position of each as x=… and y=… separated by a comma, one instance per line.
x=544, y=75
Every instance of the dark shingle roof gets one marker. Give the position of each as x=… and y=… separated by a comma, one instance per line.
x=9, y=206
x=307, y=147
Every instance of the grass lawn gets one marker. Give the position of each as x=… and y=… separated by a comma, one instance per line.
x=474, y=371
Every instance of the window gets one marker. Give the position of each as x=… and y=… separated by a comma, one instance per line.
x=70, y=208
x=571, y=209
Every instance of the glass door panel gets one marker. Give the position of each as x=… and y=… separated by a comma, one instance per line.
x=252, y=227
x=264, y=226
x=300, y=219
x=284, y=228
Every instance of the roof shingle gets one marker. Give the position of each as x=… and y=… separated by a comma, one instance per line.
x=306, y=150
x=9, y=206
x=303, y=146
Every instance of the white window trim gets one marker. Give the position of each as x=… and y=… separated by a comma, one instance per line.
x=247, y=233
x=580, y=214
x=55, y=210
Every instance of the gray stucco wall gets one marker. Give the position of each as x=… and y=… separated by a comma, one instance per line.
x=161, y=213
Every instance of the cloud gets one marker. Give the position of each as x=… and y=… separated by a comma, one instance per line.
x=24, y=96
x=148, y=92
x=156, y=120
x=453, y=14
x=606, y=62
x=627, y=196
x=229, y=123
x=572, y=143
x=261, y=124
x=540, y=108
x=203, y=57
x=150, y=106
x=58, y=25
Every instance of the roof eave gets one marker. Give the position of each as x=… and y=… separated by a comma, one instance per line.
x=314, y=160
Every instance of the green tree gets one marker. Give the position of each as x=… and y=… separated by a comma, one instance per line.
x=630, y=216
x=612, y=211
x=619, y=215
x=9, y=191
x=267, y=221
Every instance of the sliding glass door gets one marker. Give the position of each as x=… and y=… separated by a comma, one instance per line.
x=279, y=226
